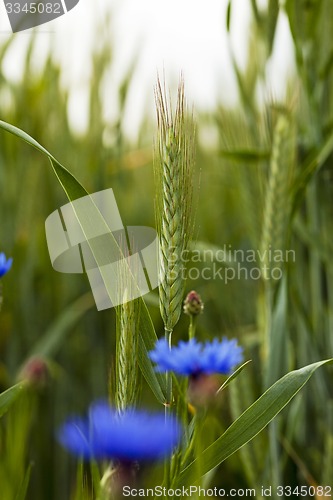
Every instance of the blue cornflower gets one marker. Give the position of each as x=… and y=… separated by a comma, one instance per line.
x=194, y=358
x=130, y=436
x=5, y=264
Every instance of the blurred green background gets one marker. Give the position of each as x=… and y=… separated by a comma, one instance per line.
x=258, y=188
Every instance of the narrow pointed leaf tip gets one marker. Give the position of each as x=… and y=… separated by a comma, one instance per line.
x=251, y=421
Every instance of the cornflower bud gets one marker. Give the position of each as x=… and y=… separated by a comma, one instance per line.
x=35, y=372
x=193, y=305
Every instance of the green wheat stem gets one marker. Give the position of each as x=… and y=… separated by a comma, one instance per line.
x=173, y=173
x=274, y=238
x=168, y=376
x=168, y=337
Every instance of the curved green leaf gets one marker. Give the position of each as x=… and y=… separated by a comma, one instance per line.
x=8, y=397
x=22, y=492
x=245, y=155
x=309, y=168
x=74, y=190
x=233, y=376
x=251, y=421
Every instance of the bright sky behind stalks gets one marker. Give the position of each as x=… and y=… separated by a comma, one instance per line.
x=167, y=36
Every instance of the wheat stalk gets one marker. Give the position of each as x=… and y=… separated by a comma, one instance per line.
x=173, y=173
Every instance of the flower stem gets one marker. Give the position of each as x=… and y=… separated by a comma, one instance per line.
x=168, y=402
x=168, y=336
x=192, y=327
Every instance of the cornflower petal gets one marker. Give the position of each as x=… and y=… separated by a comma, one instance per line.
x=5, y=264
x=74, y=435
x=193, y=358
x=130, y=436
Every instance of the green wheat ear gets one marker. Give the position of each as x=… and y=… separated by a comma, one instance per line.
x=127, y=333
x=174, y=162
x=278, y=200
x=127, y=354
